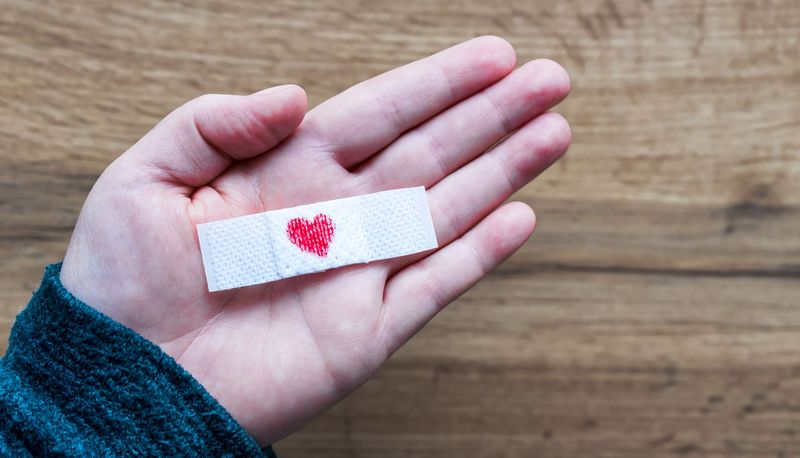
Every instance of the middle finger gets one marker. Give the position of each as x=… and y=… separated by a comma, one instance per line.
x=425, y=155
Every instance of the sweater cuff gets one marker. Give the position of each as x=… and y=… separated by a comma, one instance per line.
x=120, y=391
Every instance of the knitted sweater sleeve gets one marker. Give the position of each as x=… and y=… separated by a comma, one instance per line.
x=77, y=383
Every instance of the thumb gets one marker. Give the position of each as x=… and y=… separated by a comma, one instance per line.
x=199, y=140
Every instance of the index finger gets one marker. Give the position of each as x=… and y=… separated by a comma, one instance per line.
x=366, y=117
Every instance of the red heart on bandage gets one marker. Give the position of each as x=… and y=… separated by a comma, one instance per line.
x=311, y=236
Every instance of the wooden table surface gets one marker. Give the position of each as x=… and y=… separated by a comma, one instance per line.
x=656, y=312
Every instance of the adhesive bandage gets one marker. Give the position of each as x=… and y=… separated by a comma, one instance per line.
x=278, y=244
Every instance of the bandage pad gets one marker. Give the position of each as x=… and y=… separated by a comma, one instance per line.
x=278, y=244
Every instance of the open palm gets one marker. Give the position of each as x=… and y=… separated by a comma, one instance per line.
x=275, y=355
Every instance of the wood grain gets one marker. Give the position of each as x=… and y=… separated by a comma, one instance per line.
x=655, y=313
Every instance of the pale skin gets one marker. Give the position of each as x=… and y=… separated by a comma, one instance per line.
x=276, y=355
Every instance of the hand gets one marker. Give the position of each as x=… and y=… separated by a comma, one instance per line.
x=276, y=355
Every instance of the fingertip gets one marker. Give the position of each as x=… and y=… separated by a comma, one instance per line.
x=534, y=147
x=290, y=96
x=522, y=218
x=280, y=88
x=500, y=53
x=511, y=226
x=556, y=73
x=551, y=80
x=560, y=134
x=245, y=126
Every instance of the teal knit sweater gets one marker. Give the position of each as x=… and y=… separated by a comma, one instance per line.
x=76, y=383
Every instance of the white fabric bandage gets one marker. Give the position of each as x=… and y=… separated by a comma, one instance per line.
x=269, y=246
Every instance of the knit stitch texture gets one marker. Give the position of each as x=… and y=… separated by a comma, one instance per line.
x=76, y=383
